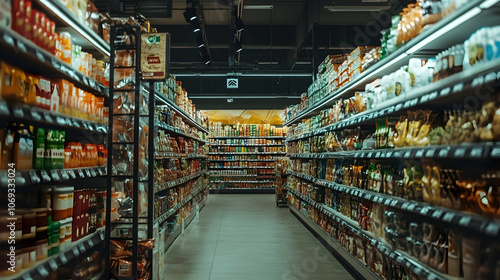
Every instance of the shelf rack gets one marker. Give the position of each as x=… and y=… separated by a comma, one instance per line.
x=453, y=29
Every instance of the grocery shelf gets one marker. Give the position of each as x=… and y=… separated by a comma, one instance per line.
x=396, y=255
x=441, y=92
x=81, y=34
x=221, y=175
x=187, y=118
x=483, y=150
x=171, y=184
x=240, y=153
x=42, y=269
x=242, y=191
x=177, y=231
x=162, y=218
x=244, y=160
x=38, y=177
x=247, y=145
x=242, y=167
x=161, y=155
x=356, y=266
x=36, y=60
x=470, y=222
x=247, y=137
x=178, y=131
x=453, y=29
x=247, y=182
x=36, y=116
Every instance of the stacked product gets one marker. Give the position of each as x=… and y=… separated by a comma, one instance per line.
x=245, y=130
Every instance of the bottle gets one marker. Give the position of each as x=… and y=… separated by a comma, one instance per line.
x=39, y=150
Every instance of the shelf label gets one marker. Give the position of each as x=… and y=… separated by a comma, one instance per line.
x=407, y=154
x=60, y=121
x=465, y=221
x=458, y=87
x=34, y=177
x=43, y=271
x=459, y=152
x=492, y=229
x=437, y=214
x=64, y=175
x=63, y=259
x=45, y=176
x=448, y=217
x=491, y=77
x=479, y=81
x=443, y=153
x=394, y=203
x=54, y=175
x=445, y=91
x=425, y=210
x=35, y=115
x=8, y=39
x=430, y=153
x=40, y=56
x=48, y=117
x=72, y=174
x=18, y=112
x=476, y=152
x=433, y=95
x=419, y=154
x=80, y=173
x=21, y=46
x=53, y=265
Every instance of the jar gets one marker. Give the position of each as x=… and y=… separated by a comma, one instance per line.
x=41, y=217
x=62, y=200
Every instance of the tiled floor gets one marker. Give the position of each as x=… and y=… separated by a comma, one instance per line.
x=240, y=237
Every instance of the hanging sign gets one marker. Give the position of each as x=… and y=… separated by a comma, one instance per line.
x=232, y=83
x=154, y=56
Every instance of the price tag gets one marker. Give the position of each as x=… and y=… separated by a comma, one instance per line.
x=93, y=172
x=493, y=229
x=53, y=265
x=424, y=98
x=60, y=121
x=407, y=154
x=43, y=271
x=45, y=176
x=368, y=196
x=433, y=95
x=40, y=56
x=437, y=214
x=407, y=104
x=417, y=270
x=458, y=87
x=465, y=221
x=430, y=153
x=424, y=211
x=400, y=259
x=459, y=153
x=34, y=177
x=80, y=173
x=35, y=115
x=8, y=39
x=419, y=154
x=82, y=247
x=445, y=91
x=63, y=259
x=478, y=81
x=448, y=217
x=388, y=202
x=377, y=155
x=75, y=251
x=87, y=173
x=54, y=175
x=18, y=112
x=411, y=207
x=394, y=203
x=491, y=77
x=21, y=46
x=399, y=106
x=72, y=174
x=64, y=175
x=476, y=152
x=388, y=154
x=369, y=155
x=443, y=153
x=48, y=117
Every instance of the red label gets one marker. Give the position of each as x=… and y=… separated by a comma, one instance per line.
x=154, y=60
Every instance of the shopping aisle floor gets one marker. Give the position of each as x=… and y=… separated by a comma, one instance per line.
x=246, y=237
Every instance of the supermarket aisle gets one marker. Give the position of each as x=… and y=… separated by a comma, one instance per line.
x=242, y=237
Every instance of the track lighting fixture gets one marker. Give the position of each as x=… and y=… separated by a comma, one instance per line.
x=237, y=45
x=190, y=14
x=239, y=25
x=195, y=24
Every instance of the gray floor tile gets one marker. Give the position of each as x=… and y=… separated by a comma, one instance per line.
x=242, y=237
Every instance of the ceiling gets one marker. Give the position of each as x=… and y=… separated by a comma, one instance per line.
x=290, y=39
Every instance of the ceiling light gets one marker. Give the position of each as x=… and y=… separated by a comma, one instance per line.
x=303, y=62
x=196, y=25
x=258, y=7
x=200, y=41
x=190, y=14
x=239, y=25
x=357, y=8
x=268, y=63
x=237, y=46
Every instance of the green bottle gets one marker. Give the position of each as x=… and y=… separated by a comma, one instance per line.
x=39, y=151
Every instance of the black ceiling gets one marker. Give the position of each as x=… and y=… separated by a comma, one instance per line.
x=274, y=41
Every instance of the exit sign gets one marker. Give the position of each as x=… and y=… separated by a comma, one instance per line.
x=232, y=83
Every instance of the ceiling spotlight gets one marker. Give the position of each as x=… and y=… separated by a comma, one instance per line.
x=239, y=25
x=196, y=25
x=205, y=55
x=190, y=14
x=237, y=46
x=200, y=41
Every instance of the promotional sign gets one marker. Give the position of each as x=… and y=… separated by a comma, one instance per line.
x=154, y=56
